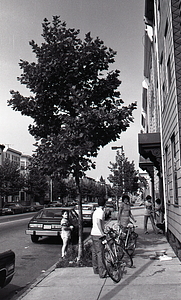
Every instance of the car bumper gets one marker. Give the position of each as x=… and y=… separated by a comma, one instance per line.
x=43, y=232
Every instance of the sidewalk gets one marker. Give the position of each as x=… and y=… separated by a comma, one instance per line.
x=148, y=279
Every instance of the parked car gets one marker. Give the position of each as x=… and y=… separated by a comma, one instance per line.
x=7, y=267
x=87, y=211
x=13, y=208
x=47, y=222
x=55, y=204
x=36, y=206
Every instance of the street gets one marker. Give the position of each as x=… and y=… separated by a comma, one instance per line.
x=31, y=259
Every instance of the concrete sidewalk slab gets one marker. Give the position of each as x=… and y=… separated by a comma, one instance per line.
x=66, y=284
x=148, y=280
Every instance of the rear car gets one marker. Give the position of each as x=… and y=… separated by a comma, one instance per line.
x=47, y=222
x=7, y=267
x=110, y=207
x=87, y=211
x=36, y=206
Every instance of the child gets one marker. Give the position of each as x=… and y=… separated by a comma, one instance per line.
x=124, y=213
x=149, y=215
x=65, y=232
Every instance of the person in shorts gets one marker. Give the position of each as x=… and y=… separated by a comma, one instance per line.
x=124, y=213
x=65, y=232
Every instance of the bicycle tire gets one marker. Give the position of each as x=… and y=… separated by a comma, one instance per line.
x=132, y=243
x=114, y=266
x=126, y=258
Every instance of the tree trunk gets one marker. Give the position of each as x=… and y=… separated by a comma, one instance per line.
x=80, y=244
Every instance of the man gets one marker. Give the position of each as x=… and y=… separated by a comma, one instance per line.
x=96, y=233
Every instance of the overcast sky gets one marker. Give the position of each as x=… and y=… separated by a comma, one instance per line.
x=119, y=23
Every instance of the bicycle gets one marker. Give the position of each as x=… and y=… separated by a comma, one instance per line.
x=115, y=256
x=127, y=238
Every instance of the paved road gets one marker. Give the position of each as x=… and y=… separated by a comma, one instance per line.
x=31, y=259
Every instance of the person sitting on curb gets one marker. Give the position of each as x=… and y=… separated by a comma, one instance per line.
x=65, y=232
x=97, y=233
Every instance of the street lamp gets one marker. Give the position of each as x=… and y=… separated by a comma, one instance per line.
x=117, y=147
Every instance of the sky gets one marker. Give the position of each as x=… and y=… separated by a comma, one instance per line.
x=119, y=23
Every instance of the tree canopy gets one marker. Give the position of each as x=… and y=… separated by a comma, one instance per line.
x=11, y=181
x=123, y=175
x=74, y=100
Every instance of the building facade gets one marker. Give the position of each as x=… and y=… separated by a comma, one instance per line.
x=159, y=141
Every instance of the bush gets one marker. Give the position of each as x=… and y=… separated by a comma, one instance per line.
x=71, y=258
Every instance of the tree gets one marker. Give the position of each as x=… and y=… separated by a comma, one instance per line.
x=74, y=102
x=36, y=183
x=124, y=177
x=11, y=181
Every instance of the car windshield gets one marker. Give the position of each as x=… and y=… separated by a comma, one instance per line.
x=50, y=213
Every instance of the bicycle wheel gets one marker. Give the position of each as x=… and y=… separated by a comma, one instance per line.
x=125, y=257
x=114, y=266
x=131, y=246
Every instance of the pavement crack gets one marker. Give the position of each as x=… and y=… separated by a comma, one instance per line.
x=159, y=271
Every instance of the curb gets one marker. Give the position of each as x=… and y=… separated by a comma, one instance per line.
x=41, y=277
x=36, y=282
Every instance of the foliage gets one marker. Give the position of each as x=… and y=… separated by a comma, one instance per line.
x=36, y=183
x=71, y=257
x=74, y=101
x=76, y=108
x=11, y=181
x=124, y=177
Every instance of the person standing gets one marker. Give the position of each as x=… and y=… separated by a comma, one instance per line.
x=124, y=213
x=65, y=232
x=148, y=214
x=97, y=232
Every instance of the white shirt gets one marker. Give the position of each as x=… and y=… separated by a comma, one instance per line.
x=98, y=214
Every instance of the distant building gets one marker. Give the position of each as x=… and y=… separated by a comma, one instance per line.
x=24, y=163
x=13, y=155
x=160, y=138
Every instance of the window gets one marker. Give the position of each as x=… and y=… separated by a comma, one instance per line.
x=166, y=29
x=159, y=15
x=174, y=170
x=168, y=73
x=167, y=176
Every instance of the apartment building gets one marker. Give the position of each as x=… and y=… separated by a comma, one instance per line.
x=159, y=141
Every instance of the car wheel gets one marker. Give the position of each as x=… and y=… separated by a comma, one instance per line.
x=34, y=238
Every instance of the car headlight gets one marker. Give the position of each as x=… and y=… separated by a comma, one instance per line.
x=56, y=226
x=31, y=225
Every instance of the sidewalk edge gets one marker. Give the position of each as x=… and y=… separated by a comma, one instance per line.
x=42, y=277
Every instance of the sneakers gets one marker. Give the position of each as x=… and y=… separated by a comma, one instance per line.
x=146, y=232
x=165, y=257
